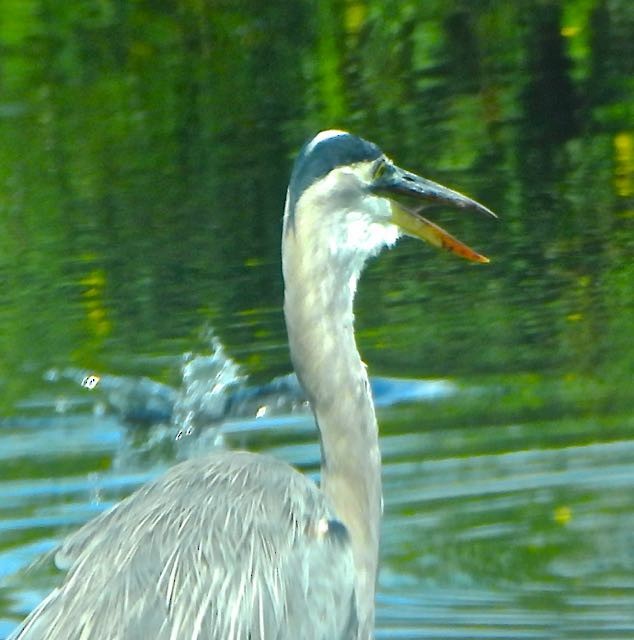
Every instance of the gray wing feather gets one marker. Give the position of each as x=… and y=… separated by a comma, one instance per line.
x=230, y=546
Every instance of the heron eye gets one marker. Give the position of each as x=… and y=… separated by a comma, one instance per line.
x=379, y=168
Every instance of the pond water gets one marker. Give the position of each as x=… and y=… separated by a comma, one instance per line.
x=144, y=155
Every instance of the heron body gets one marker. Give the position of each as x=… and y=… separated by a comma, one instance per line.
x=238, y=546
x=239, y=562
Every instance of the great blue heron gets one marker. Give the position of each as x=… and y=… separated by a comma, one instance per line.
x=241, y=546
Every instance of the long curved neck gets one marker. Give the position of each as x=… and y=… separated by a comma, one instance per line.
x=319, y=316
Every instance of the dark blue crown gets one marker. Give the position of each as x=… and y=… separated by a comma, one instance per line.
x=319, y=156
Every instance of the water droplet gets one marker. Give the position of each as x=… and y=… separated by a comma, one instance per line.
x=90, y=382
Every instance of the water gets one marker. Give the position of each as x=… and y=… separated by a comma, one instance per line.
x=144, y=155
x=492, y=529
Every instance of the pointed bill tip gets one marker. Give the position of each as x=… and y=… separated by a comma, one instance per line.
x=487, y=211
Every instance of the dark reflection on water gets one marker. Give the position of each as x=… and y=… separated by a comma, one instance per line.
x=144, y=153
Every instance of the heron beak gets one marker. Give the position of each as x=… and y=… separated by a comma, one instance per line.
x=409, y=194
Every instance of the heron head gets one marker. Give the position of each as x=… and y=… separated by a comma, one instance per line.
x=342, y=180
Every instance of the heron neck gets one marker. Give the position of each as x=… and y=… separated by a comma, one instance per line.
x=319, y=316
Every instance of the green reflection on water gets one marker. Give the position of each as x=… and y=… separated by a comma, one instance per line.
x=150, y=149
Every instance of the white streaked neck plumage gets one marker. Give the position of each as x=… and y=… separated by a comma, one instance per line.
x=326, y=241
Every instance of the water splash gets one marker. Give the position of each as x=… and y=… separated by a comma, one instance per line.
x=214, y=389
x=206, y=388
